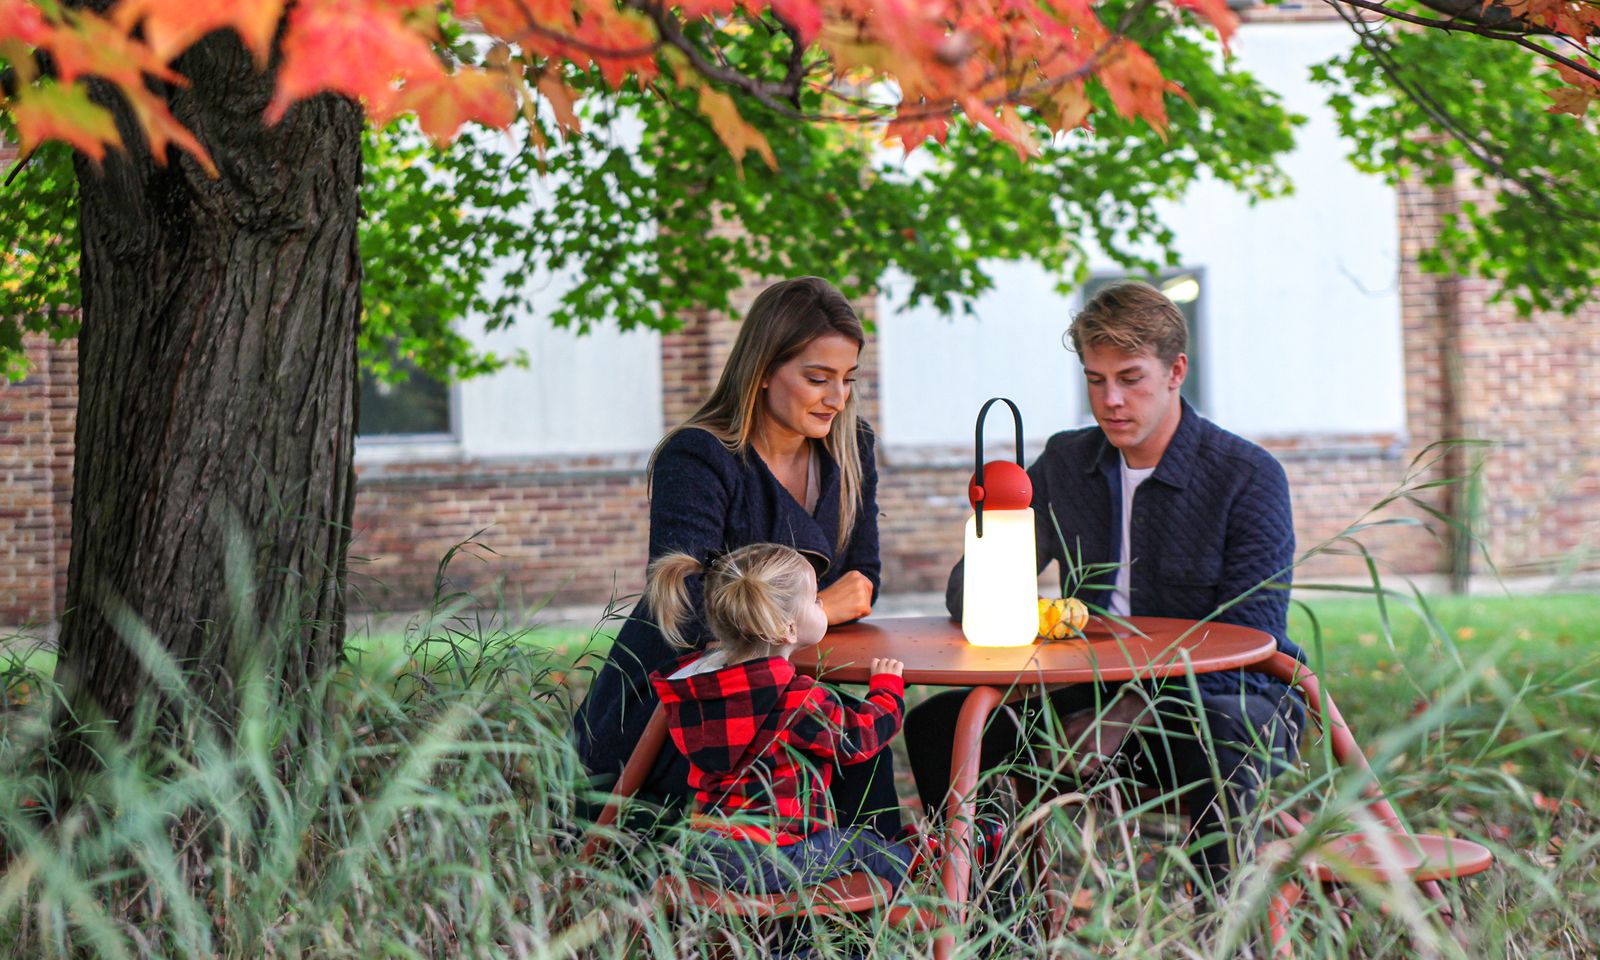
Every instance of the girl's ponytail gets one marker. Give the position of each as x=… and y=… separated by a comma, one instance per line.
x=667, y=592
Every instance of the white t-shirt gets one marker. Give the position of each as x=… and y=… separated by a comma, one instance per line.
x=1130, y=482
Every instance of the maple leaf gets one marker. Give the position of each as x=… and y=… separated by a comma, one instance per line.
x=163, y=130
x=1072, y=105
x=733, y=130
x=1570, y=100
x=913, y=131
x=562, y=98
x=172, y=26
x=1135, y=84
x=52, y=111
x=804, y=16
x=442, y=105
x=352, y=47
x=22, y=21
x=1218, y=13
x=95, y=46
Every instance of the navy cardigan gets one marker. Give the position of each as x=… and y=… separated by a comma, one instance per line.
x=704, y=498
x=1213, y=523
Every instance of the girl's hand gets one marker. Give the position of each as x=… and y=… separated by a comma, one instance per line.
x=848, y=598
x=892, y=667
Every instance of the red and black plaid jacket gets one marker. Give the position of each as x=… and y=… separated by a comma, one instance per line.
x=762, y=742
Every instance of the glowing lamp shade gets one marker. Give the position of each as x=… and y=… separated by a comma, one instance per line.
x=1000, y=593
x=1000, y=600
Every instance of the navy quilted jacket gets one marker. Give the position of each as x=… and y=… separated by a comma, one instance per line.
x=1210, y=524
x=705, y=498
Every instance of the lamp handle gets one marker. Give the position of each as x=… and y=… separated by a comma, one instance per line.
x=977, y=453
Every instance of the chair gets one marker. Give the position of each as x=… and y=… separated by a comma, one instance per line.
x=1394, y=855
x=857, y=892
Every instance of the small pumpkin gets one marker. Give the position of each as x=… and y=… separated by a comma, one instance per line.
x=1060, y=616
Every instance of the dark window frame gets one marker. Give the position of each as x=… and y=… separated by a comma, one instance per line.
x=452, y=403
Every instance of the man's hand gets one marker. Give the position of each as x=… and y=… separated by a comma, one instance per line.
x=889, y=665
x=848, y=598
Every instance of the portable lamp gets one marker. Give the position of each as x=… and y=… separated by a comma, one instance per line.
x=1000, y=593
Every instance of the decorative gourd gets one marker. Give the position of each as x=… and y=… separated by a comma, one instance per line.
x=1060, y=616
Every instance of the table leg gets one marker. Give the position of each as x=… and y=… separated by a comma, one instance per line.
x=960, y=805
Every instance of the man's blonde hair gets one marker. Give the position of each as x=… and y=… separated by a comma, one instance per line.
x=1131, y=316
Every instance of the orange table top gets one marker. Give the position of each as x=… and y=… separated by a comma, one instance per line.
x=935, y=652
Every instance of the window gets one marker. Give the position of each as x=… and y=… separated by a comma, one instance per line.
x=1184, y=288
x=418, y=407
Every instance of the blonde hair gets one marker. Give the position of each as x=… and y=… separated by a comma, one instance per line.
x=785, y=318
x=754, y=595
x=1132, y=316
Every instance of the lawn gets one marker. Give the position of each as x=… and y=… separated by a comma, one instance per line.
x=433, y=815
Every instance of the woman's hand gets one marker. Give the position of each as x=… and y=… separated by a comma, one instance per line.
x=892, y=667
x=848, y=598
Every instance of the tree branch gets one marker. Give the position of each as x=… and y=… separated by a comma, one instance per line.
x=1465, y=26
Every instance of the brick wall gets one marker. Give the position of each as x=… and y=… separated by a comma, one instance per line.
x=36, y=429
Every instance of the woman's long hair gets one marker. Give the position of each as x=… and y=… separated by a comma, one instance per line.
x=785, y=317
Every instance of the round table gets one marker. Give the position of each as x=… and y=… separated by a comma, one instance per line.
x=936, y=652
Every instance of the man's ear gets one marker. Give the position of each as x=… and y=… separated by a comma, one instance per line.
x=1180, y=371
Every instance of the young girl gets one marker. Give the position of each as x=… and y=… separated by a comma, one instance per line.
x=761, y=741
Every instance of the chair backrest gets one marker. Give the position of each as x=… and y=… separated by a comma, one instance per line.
x=640, y=763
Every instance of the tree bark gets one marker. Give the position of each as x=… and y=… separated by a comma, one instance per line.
x=217, y=391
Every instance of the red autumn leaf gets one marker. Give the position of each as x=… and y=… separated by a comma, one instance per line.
x=562, y=99
x=805, y=16
x=172, y=26
x=1498, y=832
x=1218, y=13
x=733, y=130
x=444, y=104
x=94, y=46
x=355, y=48
x=1135, y=84
x=163, y=130
x=1570, y=100
x=51, y=111
x=914, y=130
x=22, y=21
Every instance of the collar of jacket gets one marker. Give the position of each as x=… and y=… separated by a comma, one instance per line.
x=1177, y=462
x=812, y=535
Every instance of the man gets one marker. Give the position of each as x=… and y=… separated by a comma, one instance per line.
x=1153, y=512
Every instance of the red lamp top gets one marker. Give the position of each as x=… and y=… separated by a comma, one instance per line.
x=1005, y=487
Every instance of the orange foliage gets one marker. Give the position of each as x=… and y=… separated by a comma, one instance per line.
x=992, y=59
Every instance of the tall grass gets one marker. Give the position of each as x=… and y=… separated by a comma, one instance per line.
x=439, y=809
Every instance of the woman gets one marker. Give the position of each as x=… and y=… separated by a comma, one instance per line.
x=776, y=455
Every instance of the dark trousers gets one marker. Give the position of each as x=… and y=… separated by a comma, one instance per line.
x=863, y=793
x=1243, y=740
x=748, y=866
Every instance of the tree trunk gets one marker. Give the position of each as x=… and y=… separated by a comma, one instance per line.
x=217, y=391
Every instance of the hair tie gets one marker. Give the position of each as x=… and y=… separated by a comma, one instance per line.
x=713, y=557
